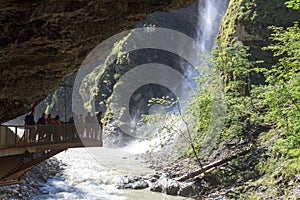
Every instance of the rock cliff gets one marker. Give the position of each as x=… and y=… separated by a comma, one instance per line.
x=249, y=22
x=43, y=42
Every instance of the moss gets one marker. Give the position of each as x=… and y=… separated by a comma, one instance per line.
x=248, y=20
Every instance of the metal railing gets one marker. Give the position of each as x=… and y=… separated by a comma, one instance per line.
x=23, y=136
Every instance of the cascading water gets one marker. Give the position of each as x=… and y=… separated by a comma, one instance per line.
x=211, y=13
x=85, y=177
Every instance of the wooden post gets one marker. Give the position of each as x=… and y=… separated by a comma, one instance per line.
x=6, y=138
x=16, y=135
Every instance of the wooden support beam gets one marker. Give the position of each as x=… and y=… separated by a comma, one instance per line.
x=10, y=182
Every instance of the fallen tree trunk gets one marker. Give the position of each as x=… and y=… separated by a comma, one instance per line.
x=212, y=165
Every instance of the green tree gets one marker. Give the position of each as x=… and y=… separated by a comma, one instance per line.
x=281, y=98
x=235, y=67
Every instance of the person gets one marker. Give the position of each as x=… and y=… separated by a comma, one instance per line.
x=74, y=118
x=88, y=124
x=42, y=120
x=50, y=120
x=81, y=125
x=57, y=120
x=99, y=117
x=95, y=127
x=59, y=134
x=29, y=121
x=30, y=118
x=40, y=128
x=74, y=135
x=71, y=120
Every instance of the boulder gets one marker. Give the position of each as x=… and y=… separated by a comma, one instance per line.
x=141, y=184
x=173, y=187
x=156, y=187
x=188, y=190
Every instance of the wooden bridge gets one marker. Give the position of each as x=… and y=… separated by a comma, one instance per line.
x=23, y=147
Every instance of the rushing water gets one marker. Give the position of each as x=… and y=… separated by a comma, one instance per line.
x=211, y=12
x=89, y=177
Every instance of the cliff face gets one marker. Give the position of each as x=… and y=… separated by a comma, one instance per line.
x=248, y=20
x=44, y=42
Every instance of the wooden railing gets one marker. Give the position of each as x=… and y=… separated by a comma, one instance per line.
x=23, y=136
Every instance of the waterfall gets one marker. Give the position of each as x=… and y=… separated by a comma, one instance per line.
x=210, y=14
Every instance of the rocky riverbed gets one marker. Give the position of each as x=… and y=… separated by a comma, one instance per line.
x=233, y=180
x=164, y=179
x=32, y=181
x=219, y=183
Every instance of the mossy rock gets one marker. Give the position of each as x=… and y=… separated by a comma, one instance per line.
x=249, y=22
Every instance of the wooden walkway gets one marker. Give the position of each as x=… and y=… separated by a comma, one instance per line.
x=22, y=147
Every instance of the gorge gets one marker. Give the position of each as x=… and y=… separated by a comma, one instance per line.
x=242, y=143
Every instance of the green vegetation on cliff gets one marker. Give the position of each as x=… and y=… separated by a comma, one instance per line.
x=265, y=114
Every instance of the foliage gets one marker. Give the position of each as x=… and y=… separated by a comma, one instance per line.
x=283, y=93
x=234, y=66
x=199, y=112
x=173, y=123
x=276, y=103
x=293, y=4
x=281, y=99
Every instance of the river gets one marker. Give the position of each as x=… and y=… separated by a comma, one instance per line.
x=90, y=173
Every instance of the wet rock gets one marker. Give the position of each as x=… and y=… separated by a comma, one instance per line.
x=32, y=181
x=153, y=178
x=165, y=185
x=187, y=190
x=135, y=178
x=122, y=182
x=156, y=187
x=126, y=186
x=172, y=188
x=135, y=182
x=140, y=185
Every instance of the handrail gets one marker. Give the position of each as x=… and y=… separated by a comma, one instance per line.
x=14, y=136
